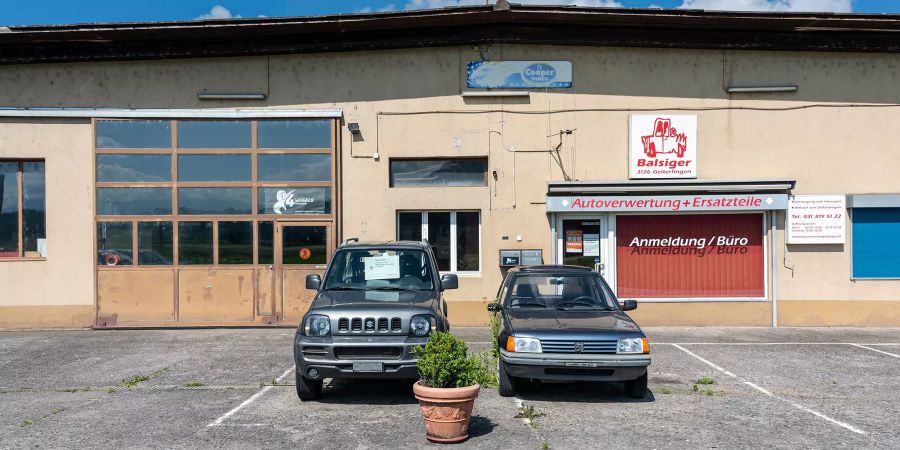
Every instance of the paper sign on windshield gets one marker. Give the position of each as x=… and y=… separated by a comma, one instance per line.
x=382, y=267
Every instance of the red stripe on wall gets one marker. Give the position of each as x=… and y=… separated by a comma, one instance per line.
x=671, y=256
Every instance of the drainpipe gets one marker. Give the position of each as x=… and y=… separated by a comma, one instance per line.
x=774, y=215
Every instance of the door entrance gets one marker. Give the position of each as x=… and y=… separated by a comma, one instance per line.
x=584, y=241
x=300, y=249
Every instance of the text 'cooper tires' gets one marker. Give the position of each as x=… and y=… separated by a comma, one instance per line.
x=308, y=389
x=505, y=383
x=637, y=388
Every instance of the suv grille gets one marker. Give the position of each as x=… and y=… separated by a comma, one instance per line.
x=368, y=352
x=369, y=325
x=572, y=346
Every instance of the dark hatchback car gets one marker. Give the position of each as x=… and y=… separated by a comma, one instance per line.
x=375, y=303
x=563, y=323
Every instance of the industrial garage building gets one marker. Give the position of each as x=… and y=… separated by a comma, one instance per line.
x=721, y=168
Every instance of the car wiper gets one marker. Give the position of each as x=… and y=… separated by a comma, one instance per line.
x=529, y=305
x=342, y=288
x=392, y=288
x=562, y=306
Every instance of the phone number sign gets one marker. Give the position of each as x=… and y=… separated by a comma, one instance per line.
x=817, y=219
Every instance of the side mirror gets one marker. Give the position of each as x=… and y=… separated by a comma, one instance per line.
x=494, y=307
x=313, y=282
x=629, y=305
x=449, y=281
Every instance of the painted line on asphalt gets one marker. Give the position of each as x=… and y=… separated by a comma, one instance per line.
x=876, y=350
x=769, y=343
x=771, y=395
x=250, y=400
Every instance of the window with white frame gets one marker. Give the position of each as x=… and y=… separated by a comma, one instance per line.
x=454, y=236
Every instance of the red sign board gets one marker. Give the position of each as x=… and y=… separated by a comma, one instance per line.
x=690, y=256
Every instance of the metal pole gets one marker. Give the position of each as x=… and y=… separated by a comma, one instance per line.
x=774, y=215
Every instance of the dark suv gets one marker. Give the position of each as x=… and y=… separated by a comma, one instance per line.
x=377, y=301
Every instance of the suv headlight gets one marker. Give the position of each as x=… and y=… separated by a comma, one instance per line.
x=318, y=325
x=422, y=325
x=523, y=345
x=633, y=345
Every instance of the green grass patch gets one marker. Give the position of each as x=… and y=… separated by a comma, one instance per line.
x=530, y=414
x=195, y=384
x=134, y=381
x=26, y=423
x=706, y=381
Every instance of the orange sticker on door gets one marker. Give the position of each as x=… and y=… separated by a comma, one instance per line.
x=305, y=253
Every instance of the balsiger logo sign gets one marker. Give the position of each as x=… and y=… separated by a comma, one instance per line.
x=663, y=146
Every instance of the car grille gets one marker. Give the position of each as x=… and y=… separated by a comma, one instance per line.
x=572, y=346
x=314, y=351
x=369, y=325
x=368, y=352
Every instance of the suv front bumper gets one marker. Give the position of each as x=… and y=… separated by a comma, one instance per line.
x=334, y=357
x=574, y=367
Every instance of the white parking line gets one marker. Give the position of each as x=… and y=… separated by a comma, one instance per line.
x=876, y=350
x=769, y=394
x=768, y=343
x=250, y=400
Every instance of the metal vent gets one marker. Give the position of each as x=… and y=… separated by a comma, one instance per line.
x=343, y=325
x=356, y=324
x=395, y=324
x=382, y=325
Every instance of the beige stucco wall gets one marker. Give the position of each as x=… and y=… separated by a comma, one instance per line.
x=827, y=150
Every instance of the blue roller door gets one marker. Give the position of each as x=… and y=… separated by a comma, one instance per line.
x=876, y=243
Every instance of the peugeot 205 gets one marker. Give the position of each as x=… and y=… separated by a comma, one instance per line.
x=376, y=302
x=563, y=323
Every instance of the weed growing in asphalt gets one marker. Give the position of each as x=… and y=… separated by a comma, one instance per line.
x=33, y=421
x=663, y=390
x=134, y=381
x=545, y=445
x=695, y=388
x=111, y=390
x=72, y=390
x=528, y=413
x=3, y=391
x=706, y=380
x=195, y=384
x=26, y=423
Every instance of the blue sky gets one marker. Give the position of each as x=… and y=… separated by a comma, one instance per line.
x=16, y=12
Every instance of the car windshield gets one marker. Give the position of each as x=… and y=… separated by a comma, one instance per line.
x=380, y=269
x=577, y=291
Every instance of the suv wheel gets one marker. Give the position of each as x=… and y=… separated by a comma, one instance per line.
x=506, y=383
x=637, y=388
x=308, y=389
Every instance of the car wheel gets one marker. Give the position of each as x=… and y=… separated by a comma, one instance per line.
x=637, y=388
x=506, y=384
x=308, y=389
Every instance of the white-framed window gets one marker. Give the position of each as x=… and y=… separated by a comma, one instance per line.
x=454, y=236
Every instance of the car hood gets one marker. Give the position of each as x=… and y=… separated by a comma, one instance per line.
x=374, y=299
x=552, y=322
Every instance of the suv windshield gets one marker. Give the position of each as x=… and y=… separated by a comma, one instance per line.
x=380, y=269
x=576, y=291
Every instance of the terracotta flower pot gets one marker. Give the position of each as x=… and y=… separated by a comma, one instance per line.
x=446, y=411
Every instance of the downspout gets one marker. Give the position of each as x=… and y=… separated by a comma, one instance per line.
x=774, y=215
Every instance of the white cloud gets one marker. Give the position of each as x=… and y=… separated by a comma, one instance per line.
x=429, y=4
x=218, y=12
x=770, y=5
x=386, y=8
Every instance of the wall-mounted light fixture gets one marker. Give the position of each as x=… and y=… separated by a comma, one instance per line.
x=353, y=128
x=761, y=89
x=231, y=96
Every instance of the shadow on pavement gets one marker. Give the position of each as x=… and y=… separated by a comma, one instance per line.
x=480, y=426
x=368, y=392
x=580, y=392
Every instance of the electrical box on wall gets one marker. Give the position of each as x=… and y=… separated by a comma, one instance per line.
x=532, y=257
x=510, y=258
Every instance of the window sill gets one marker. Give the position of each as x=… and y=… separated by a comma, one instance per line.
x=31, y=258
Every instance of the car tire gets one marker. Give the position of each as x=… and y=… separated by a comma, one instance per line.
x=506, y=385
x=637, y=388
x=308, y=389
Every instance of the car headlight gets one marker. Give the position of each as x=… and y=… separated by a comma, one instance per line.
x=523, y=345
x=633, y=345
x=318, y=325
x=422, y=325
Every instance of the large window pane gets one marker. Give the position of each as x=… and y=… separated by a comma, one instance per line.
x=9, y=209
x=134, y=134
x=294, y=167
x=214, y=134
x=195, y=243
x=304, y=245
x=266, y=242
x=467, y=241
x=294, y=133
x=438, y=172
x=114, y=244
x=409, y=226
x=439, y=237
x=155, y=243
x=214, y=201
x=296, y=201
x=134, y=201
x=214, y=168
x=134, y=168
x=34, y=229
x=235, y=242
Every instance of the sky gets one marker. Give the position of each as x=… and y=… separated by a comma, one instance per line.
x=34, y=12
